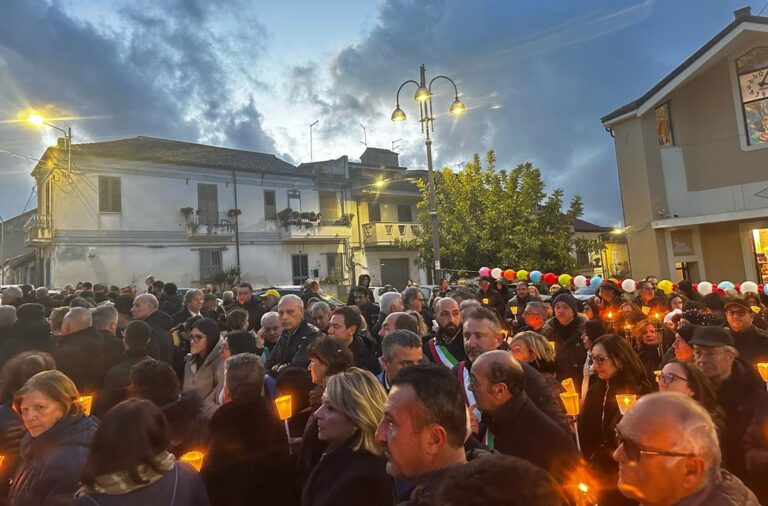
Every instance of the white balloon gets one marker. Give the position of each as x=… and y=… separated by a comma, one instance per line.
x=580, y=281
x=749, y=287
x=628, y=285
x=496, y=273
x=705, y=288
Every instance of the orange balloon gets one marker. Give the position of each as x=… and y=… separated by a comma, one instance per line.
x=509, y=274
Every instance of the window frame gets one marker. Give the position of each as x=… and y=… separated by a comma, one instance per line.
x=106, y=203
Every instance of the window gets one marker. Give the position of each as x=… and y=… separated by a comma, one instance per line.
x=210, y=264
x=374, y=212
x=208, y=203
x=270, y=205
x=109, y=195
x=664, y=126
x=404, y=213
x=329, y=205
x=294, y=200
x=752, y=69
x=300, y=268
x=582, y=259
x=335, y=266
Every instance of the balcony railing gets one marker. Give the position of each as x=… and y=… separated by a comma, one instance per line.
x=38, y=230
x=207, y=227
x=383, y=233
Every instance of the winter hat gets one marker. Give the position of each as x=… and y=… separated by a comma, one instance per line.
x=568, y=299
x=686, y=332
x=594, y=329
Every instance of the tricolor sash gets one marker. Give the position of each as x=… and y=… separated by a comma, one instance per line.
x=441, y=355
x=488, y=439
x=469, y=397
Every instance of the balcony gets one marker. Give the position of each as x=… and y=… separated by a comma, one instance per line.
x=388, y=234
x=38, y=231
x=330, y=230
x=205, y=228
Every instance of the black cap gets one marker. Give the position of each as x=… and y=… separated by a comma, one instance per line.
x=686, y=332
x=736, y=301
x=712, y=336
x=487, y=278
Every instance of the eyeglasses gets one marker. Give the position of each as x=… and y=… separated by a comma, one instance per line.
x=708, y=352
x=599, y=360
x=736, y=312
x=633, y=450
x=196, y=338
x=668, y=378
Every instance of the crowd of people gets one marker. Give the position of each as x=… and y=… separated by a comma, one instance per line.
x=117, y=396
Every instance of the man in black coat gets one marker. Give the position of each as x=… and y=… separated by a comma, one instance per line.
x=751, y=342
x=31, y=331
x=79, y=351
x=7, y=319
x=565, y=330
x=172, y=303
x=145, y=307
x=369, y=309
x=117, y=379
x=512, y=424
x=297, y=335
x=344, y=328
x=255, y=308
x=447, y=347
x=105, y=321
x=42, y=298
x=490, y=298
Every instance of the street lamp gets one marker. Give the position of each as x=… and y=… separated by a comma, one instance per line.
x=39, y=121
x=423, y=96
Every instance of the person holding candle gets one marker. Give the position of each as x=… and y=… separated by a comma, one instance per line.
x=129, y=462
x=593, y=330
x=352, y=470
x=55, y=448
x=610, y=297
x=247, y=456
x=536, y=351
x=668, y=454
x=618, y=371
x=565, y=329
x=750, y=341
x=648, y=344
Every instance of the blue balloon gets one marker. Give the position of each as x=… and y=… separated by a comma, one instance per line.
x=535, y=276
x=765, y=288
x=595, y=281
x=725, y=285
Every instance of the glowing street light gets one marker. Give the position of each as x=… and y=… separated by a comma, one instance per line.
x=423, y=96
x=39, y=121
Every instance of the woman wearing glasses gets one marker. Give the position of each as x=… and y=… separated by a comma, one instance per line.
x=201, y=369
x=687, y=379
x=618, y=371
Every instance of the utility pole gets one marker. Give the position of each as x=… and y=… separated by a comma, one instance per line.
x=311, y=153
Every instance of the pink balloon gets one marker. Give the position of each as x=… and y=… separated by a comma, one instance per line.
x=484, y=271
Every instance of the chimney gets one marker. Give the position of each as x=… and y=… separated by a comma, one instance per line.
x=743, y=12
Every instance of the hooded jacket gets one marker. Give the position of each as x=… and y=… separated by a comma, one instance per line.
x=51, y=463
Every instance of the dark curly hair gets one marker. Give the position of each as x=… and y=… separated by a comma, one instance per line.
x=153, y=380
x=338, y=358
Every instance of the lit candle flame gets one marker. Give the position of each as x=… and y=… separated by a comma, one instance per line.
x=583, y=487
x=657, y=374
x=86, y=401
x=193, y=458
x=625, y=401
x=610, y=315
x=762, y=367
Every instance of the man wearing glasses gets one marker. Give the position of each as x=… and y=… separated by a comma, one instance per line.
x=668, y=454
x=737, y=385
x=751, y=342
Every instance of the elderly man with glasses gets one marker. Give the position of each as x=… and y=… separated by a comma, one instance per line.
x=737, y=385
x=668, y=454
x=751, y=342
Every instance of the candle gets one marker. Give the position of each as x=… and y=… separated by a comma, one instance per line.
x=762, y=368
x=86, y=401
x=514, y=310
x=625, y=401
x=193, y=458
x=283, y=404
x=756, y=309
x=645, y=310
x=657, y=374
x=571, y=403
x=568, y=385
x=551, y=345
x=2, y=459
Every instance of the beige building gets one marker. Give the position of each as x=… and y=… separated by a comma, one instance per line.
x=611, y=261
x=693, y=165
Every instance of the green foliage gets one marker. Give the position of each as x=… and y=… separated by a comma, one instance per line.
x=497, y=218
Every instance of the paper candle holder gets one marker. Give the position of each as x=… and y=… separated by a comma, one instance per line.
x=283, y=404
x=571, y=403
x=568, y=385
x=625, y=401
x=86, y=401
x=762, y=368
x=193, y=458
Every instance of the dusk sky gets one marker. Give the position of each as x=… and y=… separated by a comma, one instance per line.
x=536, y=76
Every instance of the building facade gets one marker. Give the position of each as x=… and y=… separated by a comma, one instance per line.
x=693, y=163
x=186, y=212
x=610, y=260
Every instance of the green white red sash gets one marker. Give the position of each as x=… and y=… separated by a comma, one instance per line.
x=488, y=439
x=469, y=397
x=441, y=355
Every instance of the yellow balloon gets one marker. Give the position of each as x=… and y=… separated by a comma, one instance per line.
x=665, y=286
x=522, y=275
x=564, y=279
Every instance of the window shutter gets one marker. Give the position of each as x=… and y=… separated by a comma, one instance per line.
x=110, y=194
x=208, y=203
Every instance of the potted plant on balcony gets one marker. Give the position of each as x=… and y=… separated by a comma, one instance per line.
x=186, y=211
x=234, y=213
x=285, y=217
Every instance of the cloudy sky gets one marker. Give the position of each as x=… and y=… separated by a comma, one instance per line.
x=536, y=76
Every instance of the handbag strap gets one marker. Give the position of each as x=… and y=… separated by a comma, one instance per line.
x=175, y=482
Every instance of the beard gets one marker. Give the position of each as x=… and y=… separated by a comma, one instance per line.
x=450, y=329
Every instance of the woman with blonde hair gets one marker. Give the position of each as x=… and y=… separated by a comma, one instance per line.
x=55, y=448
x=352, y=470
x=536, y=351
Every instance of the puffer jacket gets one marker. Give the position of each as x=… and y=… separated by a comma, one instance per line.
x=51, y=463
x=725, y=490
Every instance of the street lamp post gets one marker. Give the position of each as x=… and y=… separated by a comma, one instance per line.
x=424, y=97
x=38, y=120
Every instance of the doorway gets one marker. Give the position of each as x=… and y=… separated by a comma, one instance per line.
x=394, y=271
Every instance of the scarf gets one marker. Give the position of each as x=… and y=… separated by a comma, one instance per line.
x=120, y=483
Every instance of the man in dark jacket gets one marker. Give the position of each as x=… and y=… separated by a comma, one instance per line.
x=737, y=385
x=368, y=308
x=145, y=307
x=105, y=322
x=751, y=342
x=490, y=298
x=517, y=304
x=297, y=335
x=192, y=305
x=668, y=453
x=31, y=332
x=565, y=330
x=482, y=333
x=255, y=308
x=117, y=379
x=447, y=347
x=7, y=319
x=344, y=328
x=42, y=298
x=389, y=302
x=511, y=423
x=79, y=351
x=172, y=303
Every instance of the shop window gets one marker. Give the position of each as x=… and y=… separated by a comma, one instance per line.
x=664, y=125
x=760, y=244
x=752, y=69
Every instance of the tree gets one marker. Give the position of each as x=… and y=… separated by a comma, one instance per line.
x=497, y=218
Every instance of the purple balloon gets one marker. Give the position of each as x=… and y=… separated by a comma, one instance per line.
x=484, y=271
